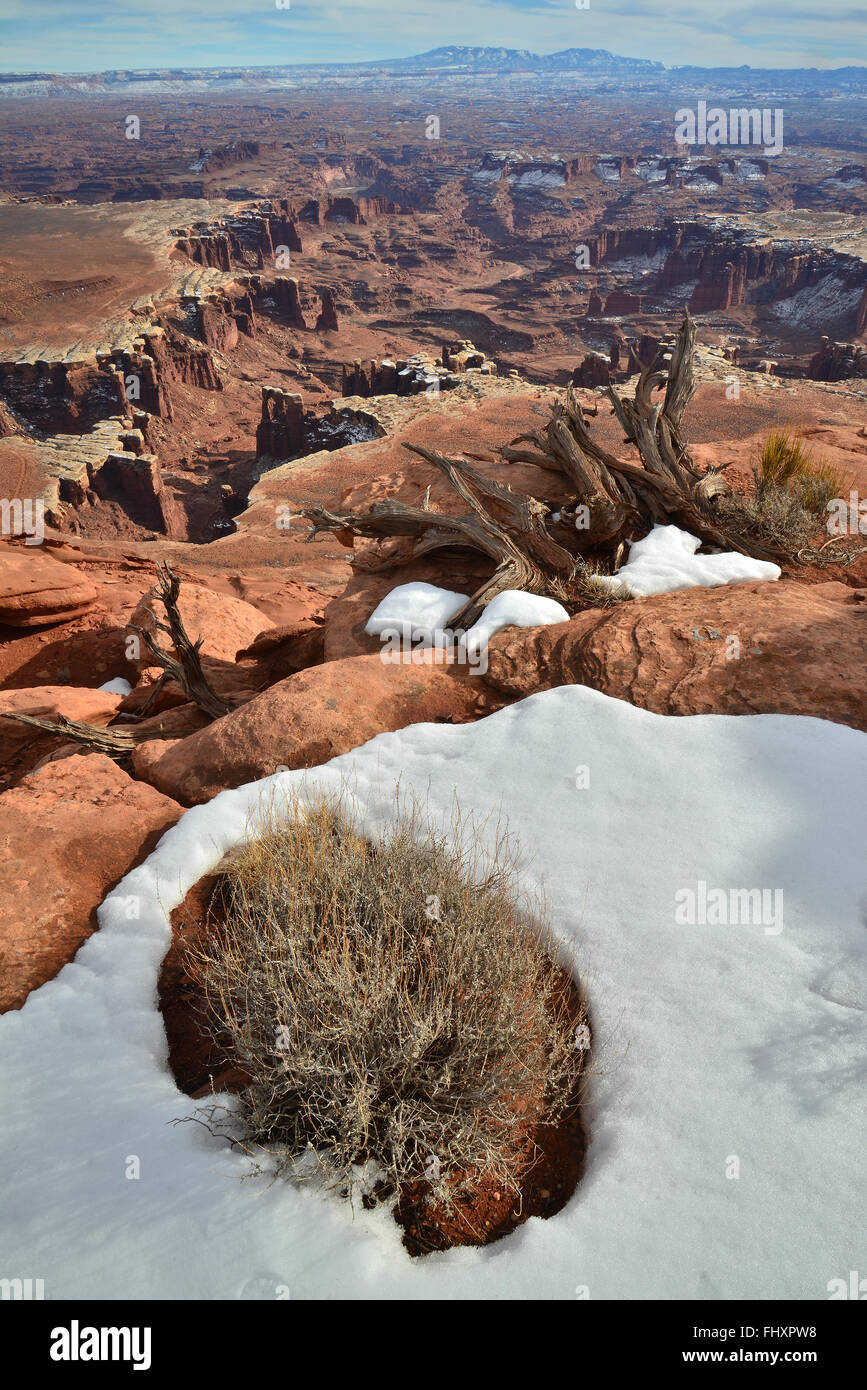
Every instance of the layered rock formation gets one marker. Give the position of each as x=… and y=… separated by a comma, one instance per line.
x=837, y=361
x=783, y=648
x=326, y=321
x=726, y=266
x=36, y=590
x=410, y=376
x=280, y=434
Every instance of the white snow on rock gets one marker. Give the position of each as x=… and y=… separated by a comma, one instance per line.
x=665, y=560
x=539, y=178
x=118, y=686
x=712, y=1043
x=420, y=613
x=512, y=608
x=417, y=611
x=816, y=305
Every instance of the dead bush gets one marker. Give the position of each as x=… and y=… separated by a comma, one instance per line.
x=396, y=1014
x=771, y=514
x=791, y=490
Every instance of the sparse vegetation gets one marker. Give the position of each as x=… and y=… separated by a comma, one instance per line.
x=587, y=588
x=397, y=1016
x=791, y=490
x=787, y=462
x=771, y=514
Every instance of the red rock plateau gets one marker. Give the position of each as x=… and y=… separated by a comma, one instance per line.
x=255, y=304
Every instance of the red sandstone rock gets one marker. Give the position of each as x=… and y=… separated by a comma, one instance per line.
x=282, y=651
x=47, y=702
x=327, y=319
x=36, y=590
x=280, y=431
x=784, y=648
x=621, y=302
x=68, y=833
x=309, y=718
x=225, y=624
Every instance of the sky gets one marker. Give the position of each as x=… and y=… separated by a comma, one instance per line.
x=93, y=35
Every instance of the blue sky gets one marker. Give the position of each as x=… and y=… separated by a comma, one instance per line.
x=90, y=35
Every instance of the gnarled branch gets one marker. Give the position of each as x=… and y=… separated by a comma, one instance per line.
x=187, y=669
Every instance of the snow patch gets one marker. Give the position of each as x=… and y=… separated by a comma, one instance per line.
x=512, y=608
x=665, y=560
x=419, y=612
x=118, y=686
x=711, y=1043
x=815, y=305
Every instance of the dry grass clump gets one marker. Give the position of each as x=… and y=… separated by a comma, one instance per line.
x=791, y=492
x=787, y=463
x=390, y=1005
x=772, y=514
x=588, y=587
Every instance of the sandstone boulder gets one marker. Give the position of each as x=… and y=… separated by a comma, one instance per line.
x=48, y=701
x=68, y=833
x=281, y=651
x=784, y=648
x=36, y=590
x=224, y=623
x=311, y=717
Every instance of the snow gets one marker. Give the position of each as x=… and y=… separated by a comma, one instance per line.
x=608, y=170
x=665, y=560
x=815, y=305
x=417, y=611
x=420, y=613
x=748, y=171
x=118, y=686
x=637, y=265
x=539, y=178
x=711, y=1043
x=512, y=608
x=651, y=170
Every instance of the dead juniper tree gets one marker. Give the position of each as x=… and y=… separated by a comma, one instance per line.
x=533, y=547
x=185, y=667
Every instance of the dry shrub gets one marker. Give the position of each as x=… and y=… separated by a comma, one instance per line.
x=791, y=490
x=587, y=587
x=787, y=463
x=774, y=514
x=393, y=1009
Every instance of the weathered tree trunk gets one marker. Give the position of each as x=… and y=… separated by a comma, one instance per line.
x=117, y=743
x=622, y=500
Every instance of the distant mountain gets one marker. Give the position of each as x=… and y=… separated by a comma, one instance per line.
x=592, y=63
x=591, y=60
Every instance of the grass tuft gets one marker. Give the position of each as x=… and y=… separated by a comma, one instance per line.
x=393, y=1009
x=791, y=490
x=787, y=463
